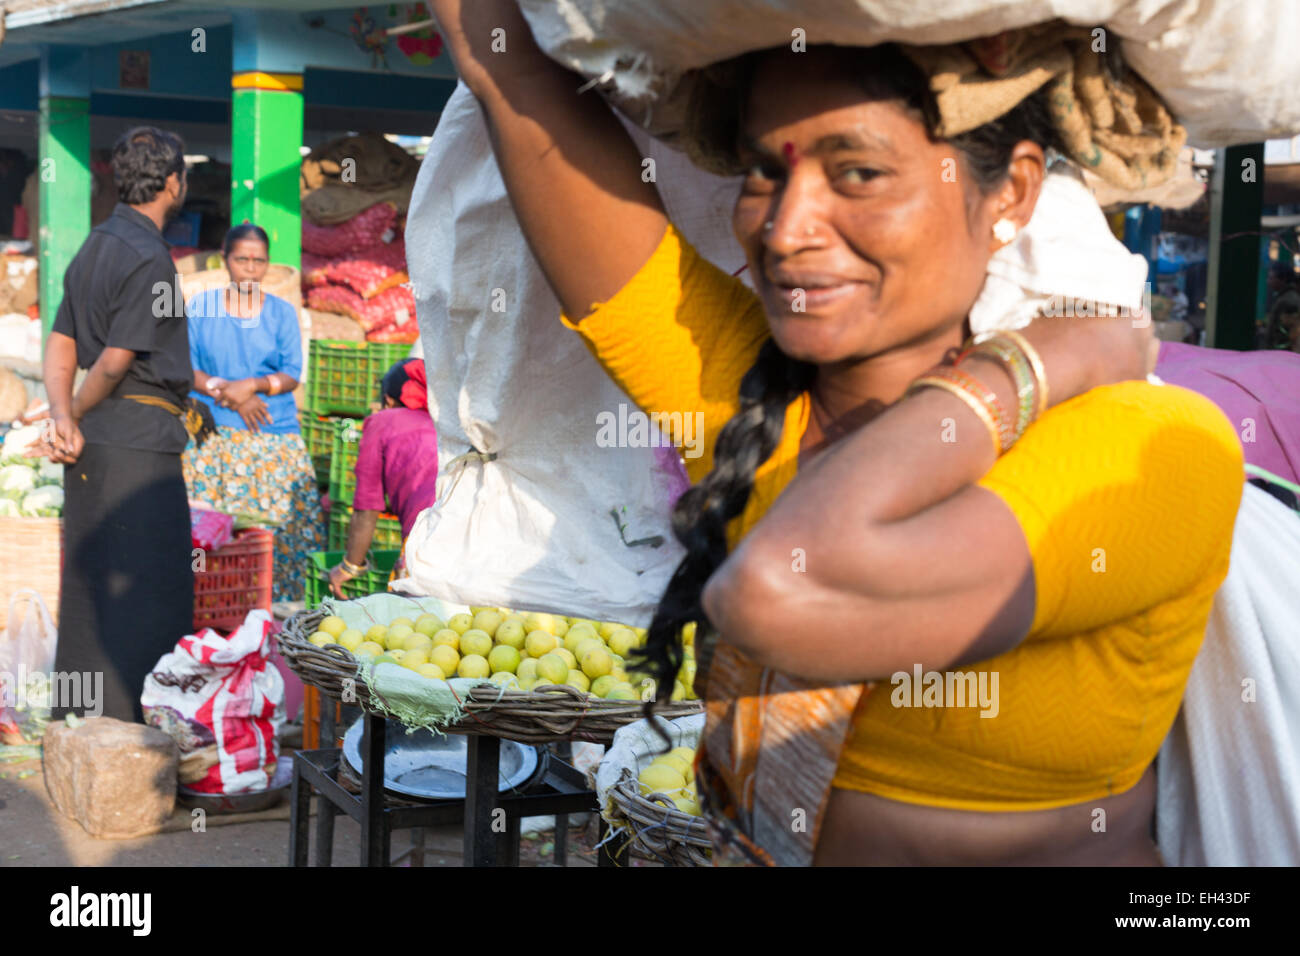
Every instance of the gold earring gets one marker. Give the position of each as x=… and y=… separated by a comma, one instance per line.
x=1004, y=230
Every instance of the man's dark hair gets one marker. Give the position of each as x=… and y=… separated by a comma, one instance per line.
x=143, y=158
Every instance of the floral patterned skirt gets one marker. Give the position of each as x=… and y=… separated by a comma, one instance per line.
x=266, y=476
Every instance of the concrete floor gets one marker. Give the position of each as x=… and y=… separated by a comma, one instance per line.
x=34, y=833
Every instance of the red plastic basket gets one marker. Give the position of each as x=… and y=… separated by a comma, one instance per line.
x=237, y=579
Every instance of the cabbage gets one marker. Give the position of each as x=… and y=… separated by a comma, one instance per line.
x=17, y=477
x=18, y=439
x=9, y=508
x=45, y=502
x=49, y=471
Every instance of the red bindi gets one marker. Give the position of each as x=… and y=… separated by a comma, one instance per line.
x=791, y=155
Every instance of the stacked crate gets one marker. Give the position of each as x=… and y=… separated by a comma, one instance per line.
x=342, y=388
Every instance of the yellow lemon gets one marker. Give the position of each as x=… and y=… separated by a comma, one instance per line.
x=448, y=638
x=510, y=633
x=687, y=805
x=333, y=625
x=585, y=645
x=503, y=658
x=397, y=635
x=686, y=753
x=502, y=678
x=539, y=642
x=368, y=649
x=483, y=607
x=475, y=641
x=527, y=669
x=431, y=670
x=397, y=654
x=607, y=628
x=540, y=621
x=460, y=623
x=413, y=659
x=622, y=641
x=429, y=624
x=575, y=635
x=568, y=657
x=320, y=639
x=473, y=665
x=659, y=778
x=488, y=620
x=351, y=639
x=597, y=662
x=445, y=657
x=621, y=691
x=677, y=763
x=378, y=633
x=401, y=620
x=679, y=690
x=601, y=685
x=552, y=669
x=579, y=680
x=560, y=626
x=415, y=641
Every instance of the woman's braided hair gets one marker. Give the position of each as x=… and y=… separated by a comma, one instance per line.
x=702, y=514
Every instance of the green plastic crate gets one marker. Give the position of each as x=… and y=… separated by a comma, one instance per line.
x=344, y=444
x=388, y=531
x=343, y=377
x=318, y=436
x=373, y=581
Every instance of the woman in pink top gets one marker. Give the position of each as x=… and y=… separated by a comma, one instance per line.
x=397, y=466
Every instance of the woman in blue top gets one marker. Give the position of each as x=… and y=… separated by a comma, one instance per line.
x=247, y=355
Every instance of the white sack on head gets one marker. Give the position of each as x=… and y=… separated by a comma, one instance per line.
x=1226, y=68
x=533, y=527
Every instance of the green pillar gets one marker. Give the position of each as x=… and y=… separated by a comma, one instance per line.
x=63, y=170
x=266, y=126
x=1236, y=202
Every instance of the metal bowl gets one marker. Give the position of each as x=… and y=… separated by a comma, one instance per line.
x=428, y=766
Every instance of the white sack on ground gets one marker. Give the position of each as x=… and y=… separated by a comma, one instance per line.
x=533, y=528
x=1227, y=68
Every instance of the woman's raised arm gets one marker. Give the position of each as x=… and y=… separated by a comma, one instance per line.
x=573, y=174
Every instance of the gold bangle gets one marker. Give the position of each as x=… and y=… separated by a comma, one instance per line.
x=975, y=405
x=1035, y=362
x=273, y=383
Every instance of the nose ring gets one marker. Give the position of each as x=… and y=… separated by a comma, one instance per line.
x=767, y=226
x=809, y=231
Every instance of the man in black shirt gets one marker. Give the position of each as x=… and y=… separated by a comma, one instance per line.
x=127, y=591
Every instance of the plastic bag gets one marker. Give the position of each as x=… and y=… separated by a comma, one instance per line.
x=222, y=701
x=27, y=647
x=554, y=521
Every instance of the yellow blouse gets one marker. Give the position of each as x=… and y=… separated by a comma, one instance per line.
x=1127, y=497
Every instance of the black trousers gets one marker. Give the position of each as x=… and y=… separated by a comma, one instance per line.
x=127, y=592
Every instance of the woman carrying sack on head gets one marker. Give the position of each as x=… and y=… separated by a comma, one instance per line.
x=397, y=467
x=1017, y=543
x=247, y=355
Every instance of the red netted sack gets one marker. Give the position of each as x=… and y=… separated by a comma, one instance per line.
x=371, y=271
x=335, y=298
x=313, y=270
x=390, y=308
x=395, y=333
x=363, y=230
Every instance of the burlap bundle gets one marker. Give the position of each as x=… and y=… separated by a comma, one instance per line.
x=380, y=171
x=1114, y=125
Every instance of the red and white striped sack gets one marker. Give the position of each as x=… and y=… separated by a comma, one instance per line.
x=222, y=700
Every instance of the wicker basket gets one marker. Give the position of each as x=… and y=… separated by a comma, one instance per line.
x=31, y=556
x=659, y=830
x=552, y=714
